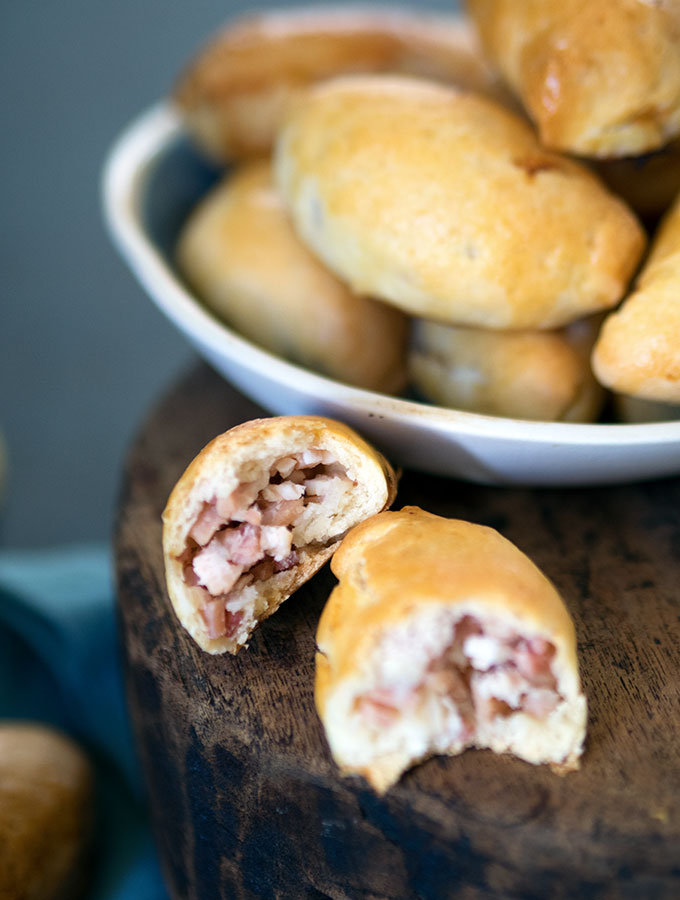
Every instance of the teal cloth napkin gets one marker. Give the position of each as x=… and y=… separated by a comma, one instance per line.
x=59, y=664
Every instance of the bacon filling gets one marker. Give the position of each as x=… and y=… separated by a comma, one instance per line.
x=247, y=536
x=483, y=674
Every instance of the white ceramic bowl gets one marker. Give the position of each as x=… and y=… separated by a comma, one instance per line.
x=151, y=180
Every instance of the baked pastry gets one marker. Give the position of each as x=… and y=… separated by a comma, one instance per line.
x=257, y=513
x=442, y=635
x=234, y=95
x=598, y=77
x=542, y=375
x=239, y=252
x=638, y=350
x=46, y=813
x=444, y=204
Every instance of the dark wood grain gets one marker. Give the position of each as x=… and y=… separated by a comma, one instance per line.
x=246, y=801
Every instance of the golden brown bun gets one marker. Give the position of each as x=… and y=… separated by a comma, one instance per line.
x=444, y=204
x=543, y=375
x=638, y=351
x=598, y=77
x=239, y=252
x=405, y=578
x=649, y=184
x=235, y=94
x=45, y=813
x=245, y=454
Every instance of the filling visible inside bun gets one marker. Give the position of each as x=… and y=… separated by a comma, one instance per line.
x=444, y=683
x=259, y=531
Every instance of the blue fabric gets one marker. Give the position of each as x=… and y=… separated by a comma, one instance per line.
x=59, y=664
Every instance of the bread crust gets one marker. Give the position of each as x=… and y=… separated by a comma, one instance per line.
x=598, y=77
x=444, y=204
x=400, y=566
x=638, y=350
x=234, y=95
x=537, y=375
x=46, y=813
x=240, y=253
x=241, y=455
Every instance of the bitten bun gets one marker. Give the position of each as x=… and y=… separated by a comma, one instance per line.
x=442, y=635
x=598, y=77
x=257, y=513
x=239, y=252
x=235, y=93
x=638, y=350
x=539, y=375
x=444, y=204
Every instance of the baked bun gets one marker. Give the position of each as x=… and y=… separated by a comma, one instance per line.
x=257, y=513
x=46, y=814
x=638, y=350
x=235, y=93
x=598, y=77
x=239, y=252
x=442, y=635
x=543, y=375
x=444, y=204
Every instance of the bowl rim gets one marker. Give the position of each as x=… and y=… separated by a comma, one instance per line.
x=127, y=167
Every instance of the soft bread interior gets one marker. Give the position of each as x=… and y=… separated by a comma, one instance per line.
x=447, y=679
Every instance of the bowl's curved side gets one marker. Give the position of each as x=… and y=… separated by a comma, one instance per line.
x=442, y=441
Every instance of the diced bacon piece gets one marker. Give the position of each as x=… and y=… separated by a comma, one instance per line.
x=276, y=540
x=540, y=702
x=318, y=485
x=214, y=569
x=379, y=709
x=285, y=465
x=313, y=457
x=234, y=620
x=533, y=659
x=214, y=615
x=242, y=545
x=238, y=502
x=190, y=577
x=282, y=565
x=326, y=488
x=283, y=513
x=287, y=490
x=206, y=524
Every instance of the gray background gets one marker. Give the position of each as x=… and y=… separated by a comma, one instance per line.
x=83, y=352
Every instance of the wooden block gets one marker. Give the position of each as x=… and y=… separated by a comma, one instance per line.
x=245, y=798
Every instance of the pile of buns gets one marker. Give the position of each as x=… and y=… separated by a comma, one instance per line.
x=441, y=634
x=460, y=207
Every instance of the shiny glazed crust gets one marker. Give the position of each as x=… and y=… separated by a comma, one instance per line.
x=444, y=204
x=239, y=252
x=398, y=566
x=638, y=351
x=598, y=77
x=539, y=375
x=241, y=455
x=235, y=93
